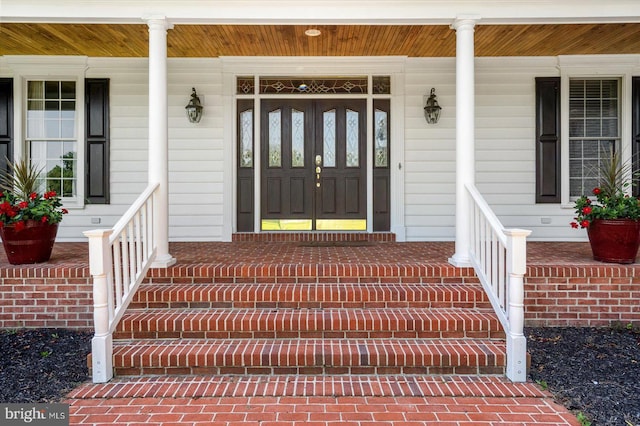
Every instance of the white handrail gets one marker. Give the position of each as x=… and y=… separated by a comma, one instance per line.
x=119, y=259
x=499, y=257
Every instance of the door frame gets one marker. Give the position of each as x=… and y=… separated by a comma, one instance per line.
x=310, y=67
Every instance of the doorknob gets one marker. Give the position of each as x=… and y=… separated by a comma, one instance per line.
x=318, y=169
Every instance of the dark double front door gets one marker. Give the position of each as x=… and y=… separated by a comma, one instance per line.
x=313, y=164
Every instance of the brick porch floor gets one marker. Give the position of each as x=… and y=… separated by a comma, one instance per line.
x=288, y=400
x=74, y=255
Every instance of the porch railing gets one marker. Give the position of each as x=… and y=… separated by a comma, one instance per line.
x=119, y=259
x=499, y=257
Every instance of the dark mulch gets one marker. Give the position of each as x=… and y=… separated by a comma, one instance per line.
x=42, y=365
x=594, y=371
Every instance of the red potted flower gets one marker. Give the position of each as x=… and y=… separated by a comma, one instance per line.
x=612, y=218
x=28, y=219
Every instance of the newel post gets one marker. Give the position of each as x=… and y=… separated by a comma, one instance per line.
x=100, y=264
x=516, y=268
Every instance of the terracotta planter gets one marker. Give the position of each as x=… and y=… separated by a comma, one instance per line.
x=614, y=240
x=33, y=244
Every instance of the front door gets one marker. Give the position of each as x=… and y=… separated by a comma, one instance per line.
x=313, y=164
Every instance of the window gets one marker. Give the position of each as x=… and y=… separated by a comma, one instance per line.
x=51, y=138
x=594, y=130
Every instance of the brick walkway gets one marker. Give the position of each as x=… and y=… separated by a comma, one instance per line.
x=298, y=400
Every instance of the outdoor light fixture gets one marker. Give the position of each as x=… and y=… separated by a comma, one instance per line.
x=313, y=32
x=432, y=109
x=194, y=107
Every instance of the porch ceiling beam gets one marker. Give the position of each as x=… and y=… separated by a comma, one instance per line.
x=307, y=12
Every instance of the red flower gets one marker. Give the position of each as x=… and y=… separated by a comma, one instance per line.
x=574, y=225
x=65, y=211
x=33, y=196
x=584, y=223
x=50, y=194
x=596, y=191
x=23, y=205
x=44, y=219
x=20, y=225
x=586, y=210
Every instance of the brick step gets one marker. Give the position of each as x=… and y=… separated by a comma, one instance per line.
x=310, y=295
x=308, y=356
x=309, y=323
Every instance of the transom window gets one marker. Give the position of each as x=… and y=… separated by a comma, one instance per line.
x=51, y=134
x=594, y=130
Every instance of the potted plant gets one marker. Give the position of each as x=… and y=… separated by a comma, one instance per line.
x=28, y=219
x=612, y=219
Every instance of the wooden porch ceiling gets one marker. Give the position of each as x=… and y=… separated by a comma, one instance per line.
x=128, y=40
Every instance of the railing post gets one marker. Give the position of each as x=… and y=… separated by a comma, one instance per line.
x=100, y=264
x=516, y=268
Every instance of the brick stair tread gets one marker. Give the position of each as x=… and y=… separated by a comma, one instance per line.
x=229, y=323
x=320, y=295
x=308, y=352
x=308, y=386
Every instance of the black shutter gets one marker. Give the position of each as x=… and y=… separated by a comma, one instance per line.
x=6, y=122
x=97, y=141
x=548, y=140
x=635, y=133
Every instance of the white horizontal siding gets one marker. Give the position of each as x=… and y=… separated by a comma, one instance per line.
x=430, y=151
x=505, y=148
x=195, y=151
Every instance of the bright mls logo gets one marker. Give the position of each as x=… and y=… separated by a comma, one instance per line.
x=34, y=414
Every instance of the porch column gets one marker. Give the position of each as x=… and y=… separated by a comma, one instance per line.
x=158, y=137
x=465, y=134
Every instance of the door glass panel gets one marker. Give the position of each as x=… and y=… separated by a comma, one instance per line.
x=341, y=224
x=353, y=143
x=275, y=139
x=287, y=224
x=297, y=138
x=246, y=138
x=382, y=141
x=329, y=135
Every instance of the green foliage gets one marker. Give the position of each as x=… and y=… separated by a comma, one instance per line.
x=21, y=180
x=45, y=354
x=60, y=179
x=543, y=384
x=612, y=200
x=20, y=200
x=583, y=419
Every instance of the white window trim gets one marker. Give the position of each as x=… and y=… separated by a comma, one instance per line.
x=70, y=68
x=576, y=67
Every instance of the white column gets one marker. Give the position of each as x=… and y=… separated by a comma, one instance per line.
x=158, y=137
x=465, y=133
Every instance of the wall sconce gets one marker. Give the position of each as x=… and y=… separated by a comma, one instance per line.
x=194, y=107
x=432, y=109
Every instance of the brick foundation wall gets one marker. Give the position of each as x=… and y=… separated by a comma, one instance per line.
x=582, y=296
x=554, y=296
x=51, y=298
